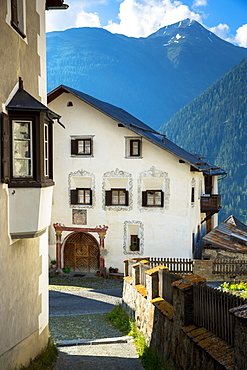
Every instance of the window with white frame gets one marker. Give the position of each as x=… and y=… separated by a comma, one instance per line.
x=22, y=148
x=133, y=147
x=46, y=150
x=81, y=146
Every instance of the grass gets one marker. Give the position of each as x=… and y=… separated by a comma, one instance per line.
x=149, y=358
x=63, y=282
x=235, y=288
x=45, y=360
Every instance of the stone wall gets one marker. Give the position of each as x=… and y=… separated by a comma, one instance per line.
x=170, y=329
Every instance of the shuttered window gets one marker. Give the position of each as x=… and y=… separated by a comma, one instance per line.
x=153, y=198
x=117, y=197
x=81, y=196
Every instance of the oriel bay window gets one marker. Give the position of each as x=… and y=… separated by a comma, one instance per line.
x=117, y=197
x=153, y=198
x=27, y=142
x=81, y=196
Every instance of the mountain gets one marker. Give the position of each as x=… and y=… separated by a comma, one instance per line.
x=215, y=125
x=152, y=77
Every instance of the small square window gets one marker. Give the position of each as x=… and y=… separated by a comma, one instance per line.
x=81, y=196
x=135, y=146
x=134, y=243
x=81, y=146
x=117, y=197
x=153, y=198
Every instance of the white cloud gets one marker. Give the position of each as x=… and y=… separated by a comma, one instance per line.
x=241, y=36
x=87, y=20
x=222, y=30
x=198, y=3
x=140, y=18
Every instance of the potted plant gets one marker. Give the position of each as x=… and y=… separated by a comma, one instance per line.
x=53, y=264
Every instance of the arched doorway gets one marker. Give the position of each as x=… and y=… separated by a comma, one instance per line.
x=81, y=252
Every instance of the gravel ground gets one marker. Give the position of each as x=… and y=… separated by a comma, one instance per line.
x=78, y=314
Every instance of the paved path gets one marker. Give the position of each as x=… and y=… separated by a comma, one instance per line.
x=110, y=353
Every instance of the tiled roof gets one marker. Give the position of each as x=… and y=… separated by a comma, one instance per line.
x=127, y=120
x=230, y=235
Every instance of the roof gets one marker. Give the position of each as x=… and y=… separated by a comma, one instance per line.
x=23, y=101
x=230, y=235
x=127, y=120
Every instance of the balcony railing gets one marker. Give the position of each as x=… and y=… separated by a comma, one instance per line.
x=210, y=203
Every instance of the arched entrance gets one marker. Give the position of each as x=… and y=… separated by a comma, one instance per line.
x=81, y=252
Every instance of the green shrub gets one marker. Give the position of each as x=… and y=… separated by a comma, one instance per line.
x=149, y=358
x=45, y=360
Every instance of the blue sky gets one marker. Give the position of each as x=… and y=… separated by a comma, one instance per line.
x=140, y=18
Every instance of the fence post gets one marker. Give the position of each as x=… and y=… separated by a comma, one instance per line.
x=203, y=268
x=183, y=299
x=240, y=336
x=126, y=267
x=136, y=273
x=152, y=281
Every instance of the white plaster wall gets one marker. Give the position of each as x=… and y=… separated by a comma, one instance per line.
x=167, y=231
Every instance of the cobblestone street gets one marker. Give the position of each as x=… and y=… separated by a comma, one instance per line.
x=79, y=326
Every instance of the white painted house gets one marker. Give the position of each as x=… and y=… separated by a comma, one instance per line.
x=151, y=197
x=26, y=182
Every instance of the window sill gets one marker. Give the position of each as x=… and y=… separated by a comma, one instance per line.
x=81, y=155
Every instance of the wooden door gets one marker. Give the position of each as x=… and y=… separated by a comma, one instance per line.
x=81, y=253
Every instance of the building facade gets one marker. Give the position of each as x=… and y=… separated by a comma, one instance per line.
x=120, y=181
x=26, y=181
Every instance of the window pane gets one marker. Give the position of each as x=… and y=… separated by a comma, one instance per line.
x=22, y=167
x=150, y=198
x=80, y=196
x=158, y=198
x=87, y=196
x=80, y=146
x=87, y=146
x=114, y=196
x=21, y=130
x=121, y=197
x=135, y=147
x=22, y=149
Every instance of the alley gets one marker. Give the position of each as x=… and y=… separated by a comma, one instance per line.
x=79, y=325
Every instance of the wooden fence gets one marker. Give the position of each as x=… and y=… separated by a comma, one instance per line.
x=229, y=267
x=165, y=288
x=211, y=310
x=175, y=265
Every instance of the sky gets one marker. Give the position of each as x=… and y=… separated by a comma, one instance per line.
x=139, y=18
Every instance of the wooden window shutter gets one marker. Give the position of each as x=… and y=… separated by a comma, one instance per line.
x=108, y=197
x=91, y=197
x=73, y=197
x=126, y=197
x=74, y=147
x=162, y=199
x=6, y=143
x=144, y=198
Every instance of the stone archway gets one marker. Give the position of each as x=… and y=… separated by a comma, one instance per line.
x=81, y=252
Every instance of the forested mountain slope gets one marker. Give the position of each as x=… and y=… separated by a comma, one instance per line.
x=152, y=77
x=215, y=125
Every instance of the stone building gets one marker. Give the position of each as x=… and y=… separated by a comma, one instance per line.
x=26, y=180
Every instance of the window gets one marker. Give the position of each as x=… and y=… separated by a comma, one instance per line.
x=135, y=146
x=134, y=243
x=17, y=16
x=81, y=146
x=153, y=198
x=46, y=150
x=81, y=196
x=22, y=148
x=117, y=197
x=192, y=195
x=27, y=142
